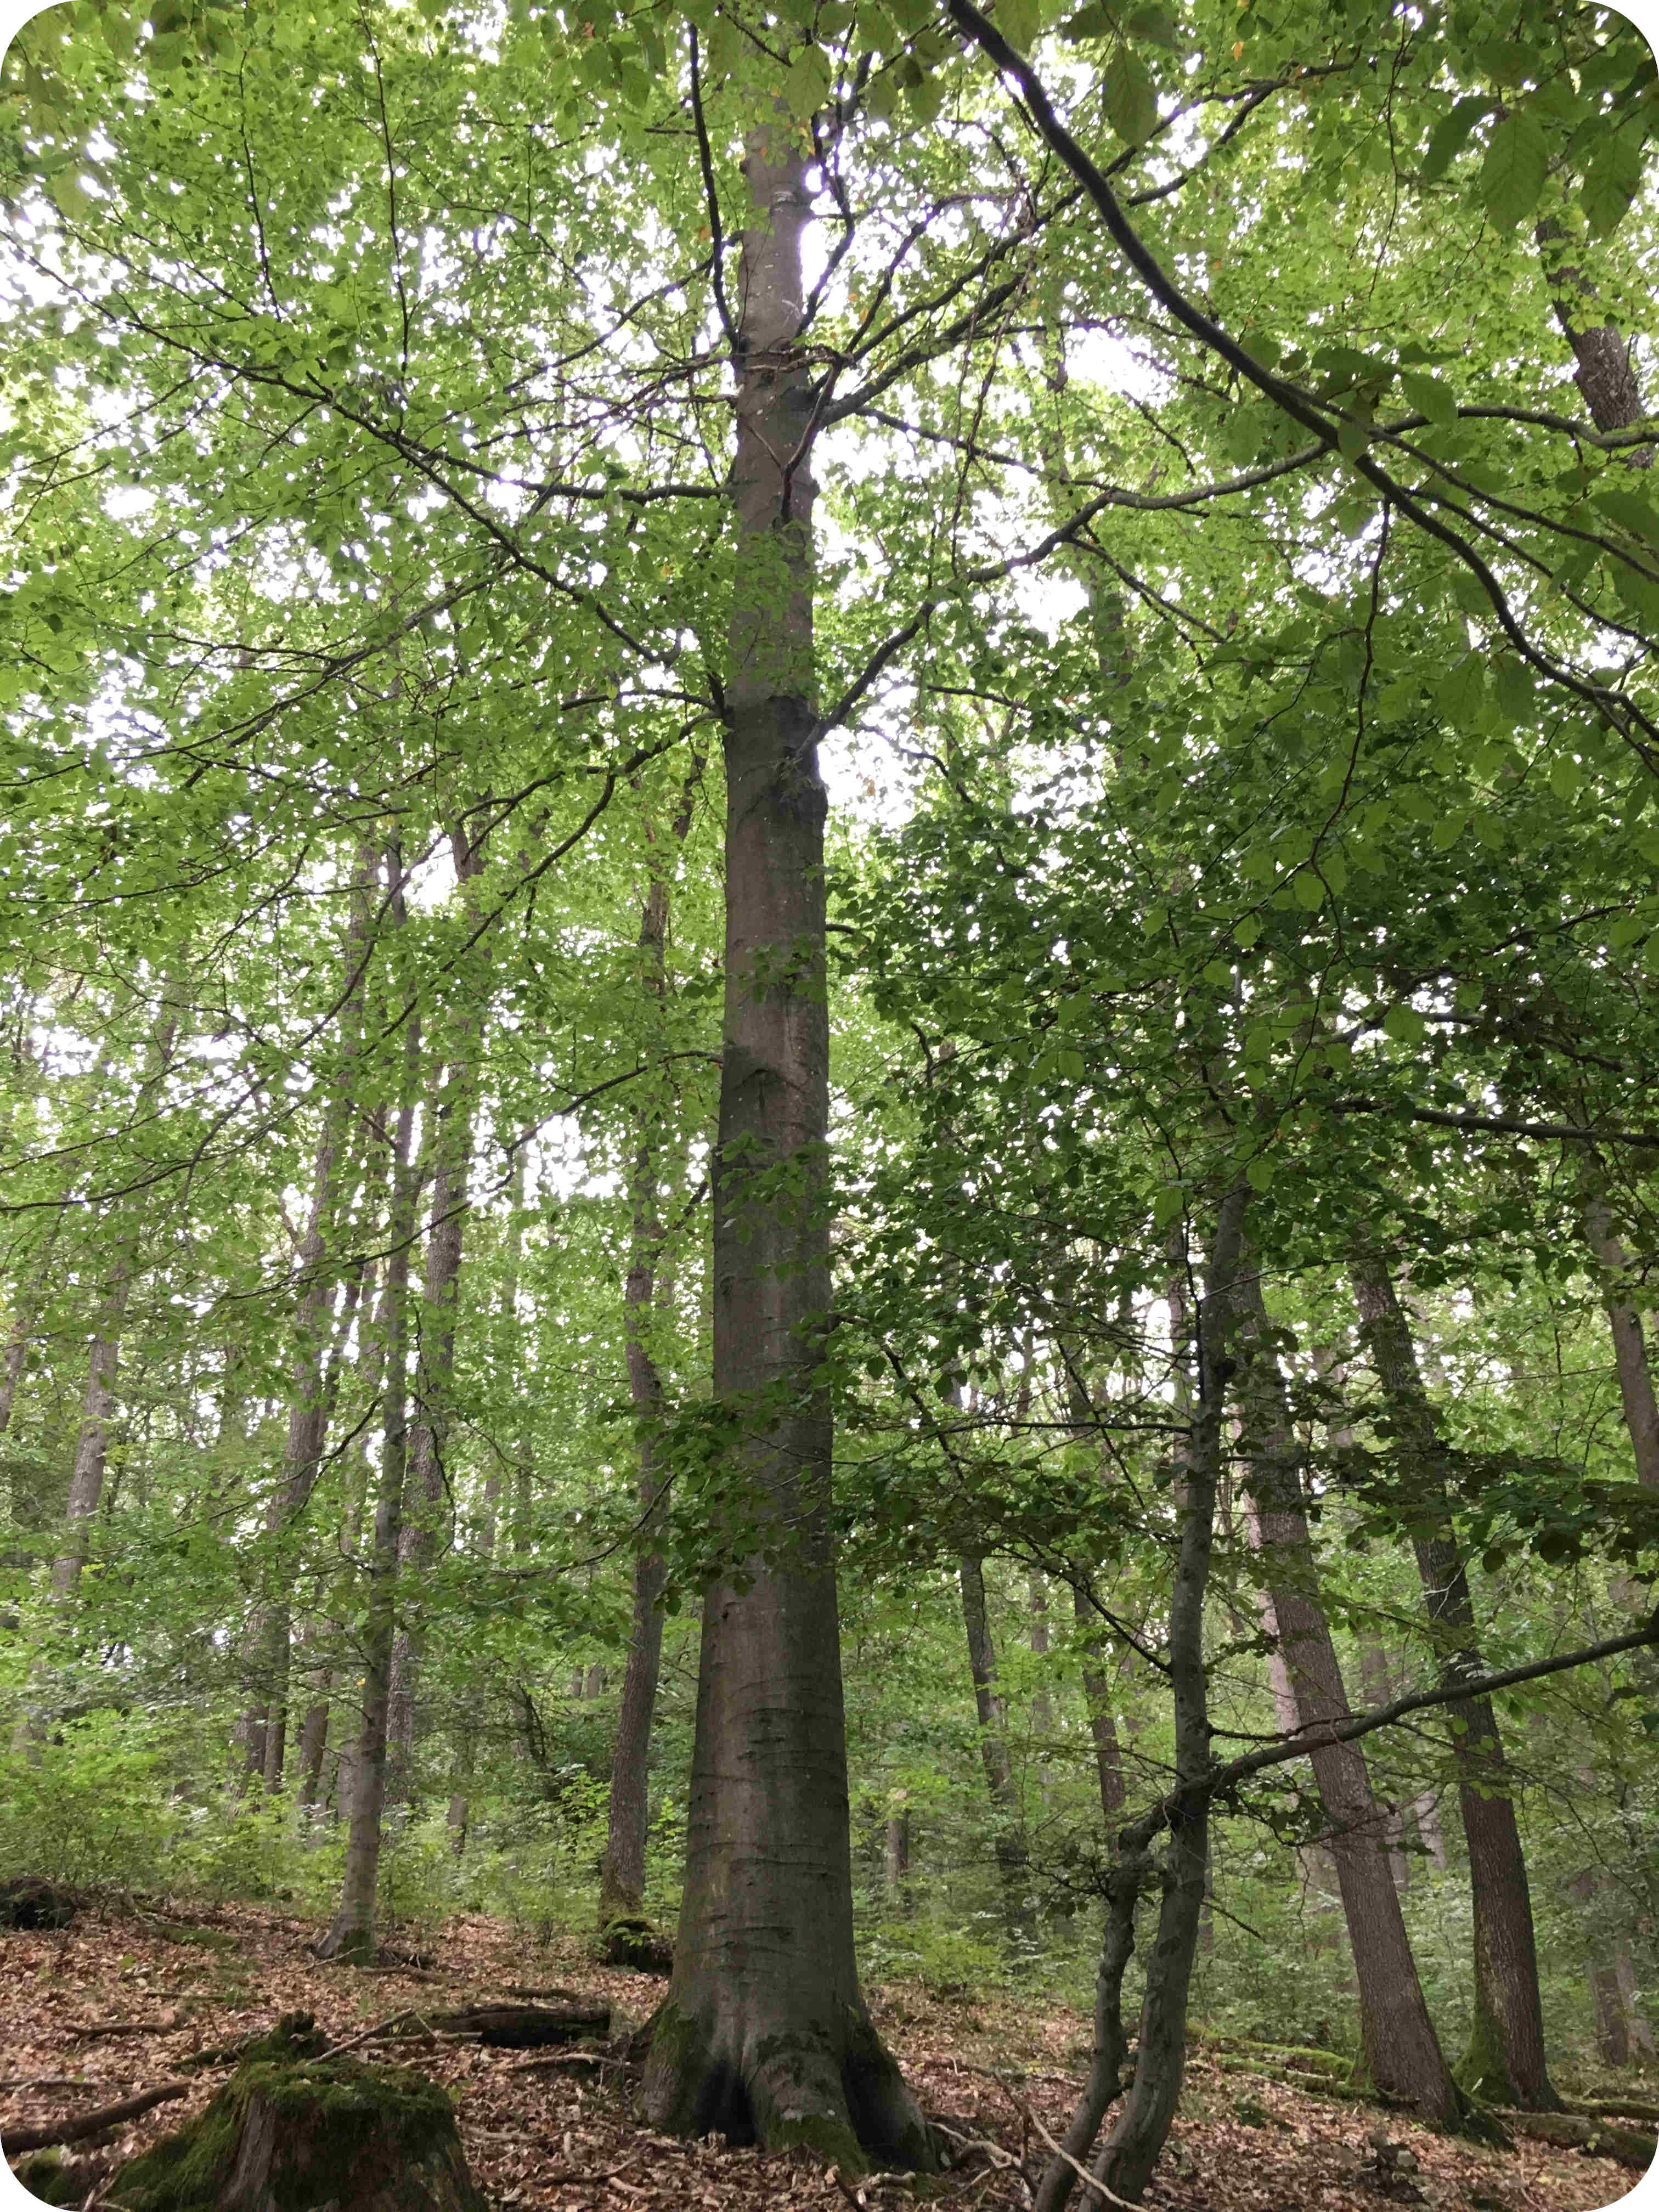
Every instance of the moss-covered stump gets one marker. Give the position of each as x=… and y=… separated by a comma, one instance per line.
x=327, y=2136
x=631, y=1942
x=56, y=2177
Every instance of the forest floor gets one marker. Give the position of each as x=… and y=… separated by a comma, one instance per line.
x=112, y=2005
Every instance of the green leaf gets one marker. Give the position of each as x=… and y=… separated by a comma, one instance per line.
x=807, y=85
x=1462, y=695
x=1352, y=439
x=1071, y=1064
x=1258, y=1173
x=1451, y=134
x=1155, y=24
x=1310, y=889
x=1631, y=511
x=1565, y=776
x=1512, y=174
x=1430, y=397
x=1094, y=22
x=1128, y=96
x=1611, y=183
x=1405, y=1025
x=1020, y=22
x=1168, y=1205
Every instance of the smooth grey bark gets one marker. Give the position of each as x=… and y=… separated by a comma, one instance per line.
x=104, y=1353
x=765, y=2032
x=622, y=1869
x=1125, y=2161
x=1401, y=2054
x=351, y=1933
x=1505, y=2062
x=451, y=1114
x=895, y=1856
x=265, y=1722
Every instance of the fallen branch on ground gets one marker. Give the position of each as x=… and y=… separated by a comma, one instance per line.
x=89, y=2027
x=1573, y=2131
x=93, y=2123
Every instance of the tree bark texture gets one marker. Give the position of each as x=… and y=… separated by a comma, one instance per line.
x=1401, y=2053
x=765, y=2032
x=1505, y=2062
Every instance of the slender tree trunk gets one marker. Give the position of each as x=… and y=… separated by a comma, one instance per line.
x=622, y=1869
x=1096, y=1685
x=264, y=1722
x=1000, y=1785
x=451, y=1115
x=765, y=2032
x=1505, y=2062
x=896, y=1858
x=92, y=1440
x=1630, y=1350
x=1401, y=2055
x=1125, y=2162
x=352, y=1932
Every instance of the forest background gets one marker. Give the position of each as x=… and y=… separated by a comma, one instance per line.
x=501, y=1196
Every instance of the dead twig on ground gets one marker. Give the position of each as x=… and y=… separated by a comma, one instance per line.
x=93, y=2123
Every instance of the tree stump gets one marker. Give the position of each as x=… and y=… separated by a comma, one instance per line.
x=326, y=2135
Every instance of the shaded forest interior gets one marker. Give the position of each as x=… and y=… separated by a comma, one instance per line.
x=827, y=1149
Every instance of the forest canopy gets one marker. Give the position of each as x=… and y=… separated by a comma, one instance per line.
x=831, y=961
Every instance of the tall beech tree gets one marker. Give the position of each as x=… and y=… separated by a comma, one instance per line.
x=764, y=2031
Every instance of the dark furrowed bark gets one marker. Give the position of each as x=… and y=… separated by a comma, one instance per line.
x=1505, y=2064
x=764, y=2032
x=1402, y=2054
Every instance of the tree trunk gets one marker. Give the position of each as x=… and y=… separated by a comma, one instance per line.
x=352, y=1933
x=1096, y=1685
x=999, y=1784
x=896, y=1858
x=1630, y=1350
x=1505, y=2062
x=622, y=1869
x=450, y=1114
x=765, y=2032
x=264, y=1722
x=1401, y=2054
x=1128, y=2156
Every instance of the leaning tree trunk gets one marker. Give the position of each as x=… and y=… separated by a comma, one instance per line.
x=1401, y=2053
x=765, y=2032
x=1126, y=2160
x=1505, y=2062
